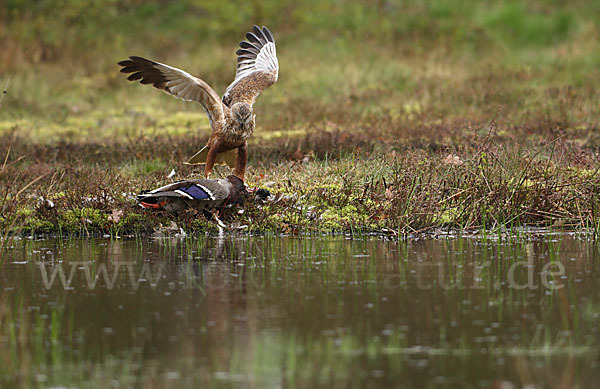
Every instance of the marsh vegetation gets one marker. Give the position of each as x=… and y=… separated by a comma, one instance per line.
x=394, y=118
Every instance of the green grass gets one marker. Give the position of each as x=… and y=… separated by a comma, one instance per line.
x=368, y=95
x=383, y=189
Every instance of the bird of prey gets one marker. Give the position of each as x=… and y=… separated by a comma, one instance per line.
x=232, y=118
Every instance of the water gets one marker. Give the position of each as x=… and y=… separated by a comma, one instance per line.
x=281, y=311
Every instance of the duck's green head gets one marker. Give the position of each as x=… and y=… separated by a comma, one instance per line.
x=238, y=192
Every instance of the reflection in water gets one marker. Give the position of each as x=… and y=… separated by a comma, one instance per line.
x=275, y=311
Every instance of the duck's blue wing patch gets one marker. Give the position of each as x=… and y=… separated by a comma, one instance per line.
x=196, y=192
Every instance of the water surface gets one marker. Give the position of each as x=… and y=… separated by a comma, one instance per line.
x=281, y=311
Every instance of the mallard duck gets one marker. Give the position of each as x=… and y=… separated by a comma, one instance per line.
x=205, y=194
x=232, y=119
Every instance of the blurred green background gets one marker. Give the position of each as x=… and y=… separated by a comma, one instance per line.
x=41, y=31
x=376, y=64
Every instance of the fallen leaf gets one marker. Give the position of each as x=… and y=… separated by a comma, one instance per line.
x=115, y=216
x=453, y=159
x=389, y=193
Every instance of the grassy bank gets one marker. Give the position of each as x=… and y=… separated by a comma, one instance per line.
x=79, y=188
x=396, y=118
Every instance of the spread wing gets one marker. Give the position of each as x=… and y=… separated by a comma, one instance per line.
x=175, y=82
x=257, y=67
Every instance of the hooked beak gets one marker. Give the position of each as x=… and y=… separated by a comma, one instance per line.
x=242, y=120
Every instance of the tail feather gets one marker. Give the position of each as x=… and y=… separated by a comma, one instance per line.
x=148, y=201
x=151, y=206
x=228, y=158
x=199, y=157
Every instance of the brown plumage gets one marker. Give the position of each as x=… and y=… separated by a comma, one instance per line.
x=232, y=119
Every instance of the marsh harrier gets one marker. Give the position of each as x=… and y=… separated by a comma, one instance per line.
x=231, y=119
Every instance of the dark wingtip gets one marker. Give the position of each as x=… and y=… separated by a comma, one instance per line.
x=247, y=45
x=259, y=34
x=133, y=60
x=243, y=51
x=253, y=39
x=135, y=76
x=267, y=33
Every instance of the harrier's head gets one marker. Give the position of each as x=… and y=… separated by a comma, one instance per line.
x=242, y=113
